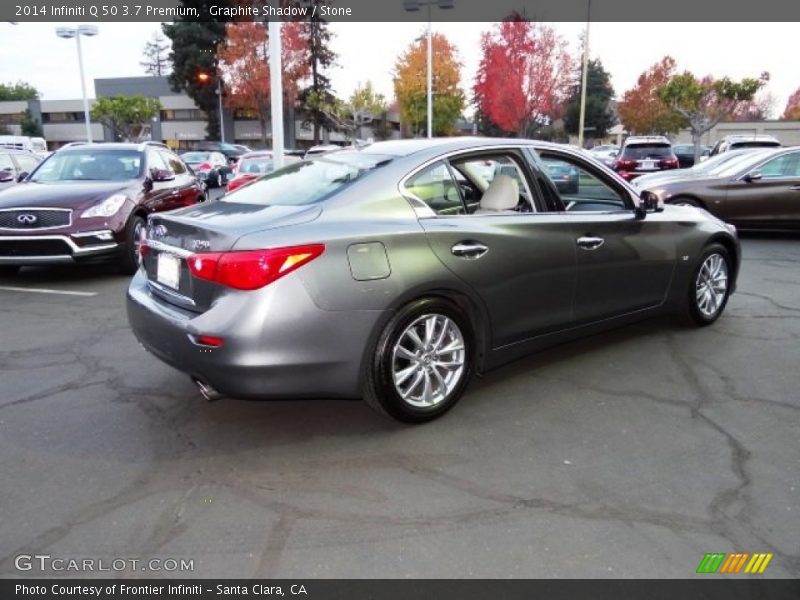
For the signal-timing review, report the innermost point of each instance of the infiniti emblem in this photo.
(159, 231)
(27, 219)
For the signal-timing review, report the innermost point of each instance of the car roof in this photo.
(646, 139)
(399, 148)
(739, 137)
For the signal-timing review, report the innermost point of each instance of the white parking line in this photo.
(9, 288)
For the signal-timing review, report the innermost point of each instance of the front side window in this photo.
(174, 163)
(579, 188)
(782, 166)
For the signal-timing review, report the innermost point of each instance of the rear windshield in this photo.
(684, 149)
(308, 181)
(755, 144)
(639, 151)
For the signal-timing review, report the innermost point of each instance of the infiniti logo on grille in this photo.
(27, 219)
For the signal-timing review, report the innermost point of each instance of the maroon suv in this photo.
(89, 202)
(644, 154)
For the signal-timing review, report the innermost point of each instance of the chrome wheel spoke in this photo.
(428, 360)
(711, 285)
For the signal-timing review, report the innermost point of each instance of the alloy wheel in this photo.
(711, 285)
(428, 360)
(137, 242)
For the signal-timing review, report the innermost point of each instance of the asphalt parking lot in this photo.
(630, 454)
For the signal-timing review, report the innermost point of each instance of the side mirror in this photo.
(752, 176)
(648, 202)
(21, 177)
(162, 175)
(6, 176)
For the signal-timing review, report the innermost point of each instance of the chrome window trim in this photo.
(171, 293)
(24, 208)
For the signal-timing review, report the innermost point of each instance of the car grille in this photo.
(34, 218)
(34, 248)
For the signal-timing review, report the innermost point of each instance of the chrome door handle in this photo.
(588, 242)
(469, 250)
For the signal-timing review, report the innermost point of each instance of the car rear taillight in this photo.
(624, 164)
(234, 184)
(669, 163)
(203, 167)
(251, 269)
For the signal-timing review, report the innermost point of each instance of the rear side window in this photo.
(641, 151)
(308, 181)
(435, 187)
(755, 144)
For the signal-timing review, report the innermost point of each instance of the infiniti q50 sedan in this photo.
(396, 271)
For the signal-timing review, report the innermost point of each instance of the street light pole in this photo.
(77, 32)
(582, 118)
(430, 74)
(276, 92)
(221, 117)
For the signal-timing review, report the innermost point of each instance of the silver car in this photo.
(396, 271)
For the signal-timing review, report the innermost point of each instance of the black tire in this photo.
(684, 201)
(379, 387)
(693, 314)
(130, 253)
(8, 270)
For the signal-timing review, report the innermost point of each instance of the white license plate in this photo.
(648, 164)
(168, 270)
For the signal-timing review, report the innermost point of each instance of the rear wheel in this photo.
(422, 362)
(131, 257)
(8, 270)
(709, 287)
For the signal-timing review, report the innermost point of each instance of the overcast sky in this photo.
(32, 52)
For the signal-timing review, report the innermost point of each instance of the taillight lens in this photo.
(204, 167)
(251, 269)
(625, 164)
(143, 247)
(669, 163)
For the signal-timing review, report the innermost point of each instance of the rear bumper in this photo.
(24, 250)
(277, 343)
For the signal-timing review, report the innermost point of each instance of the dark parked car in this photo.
(211, 167)
(396, 271)
(685, 154)
(15, 166)
(644, 154)
(737, 142)
(89, 203)
(230, 151)
(563, 175)
(761, 190)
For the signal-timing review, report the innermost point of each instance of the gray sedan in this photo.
(396, 271)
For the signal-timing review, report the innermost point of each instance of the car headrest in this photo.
(502, 194)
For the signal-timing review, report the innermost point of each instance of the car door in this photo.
(185, 182)
(161, 195)
(521, 264)
(624, 263)
(767, 195)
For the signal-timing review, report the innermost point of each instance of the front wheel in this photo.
(131, 257)
(709, 287)
(422, 362)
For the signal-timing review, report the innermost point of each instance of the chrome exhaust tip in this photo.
(207, 391)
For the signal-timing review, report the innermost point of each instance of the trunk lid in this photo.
(174, 237)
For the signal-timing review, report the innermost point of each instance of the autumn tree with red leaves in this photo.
(641, 111)
(244, 61)
(792, 112)
(524, 75)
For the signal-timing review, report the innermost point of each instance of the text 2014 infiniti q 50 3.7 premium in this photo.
(396, 271)
(89, 202)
